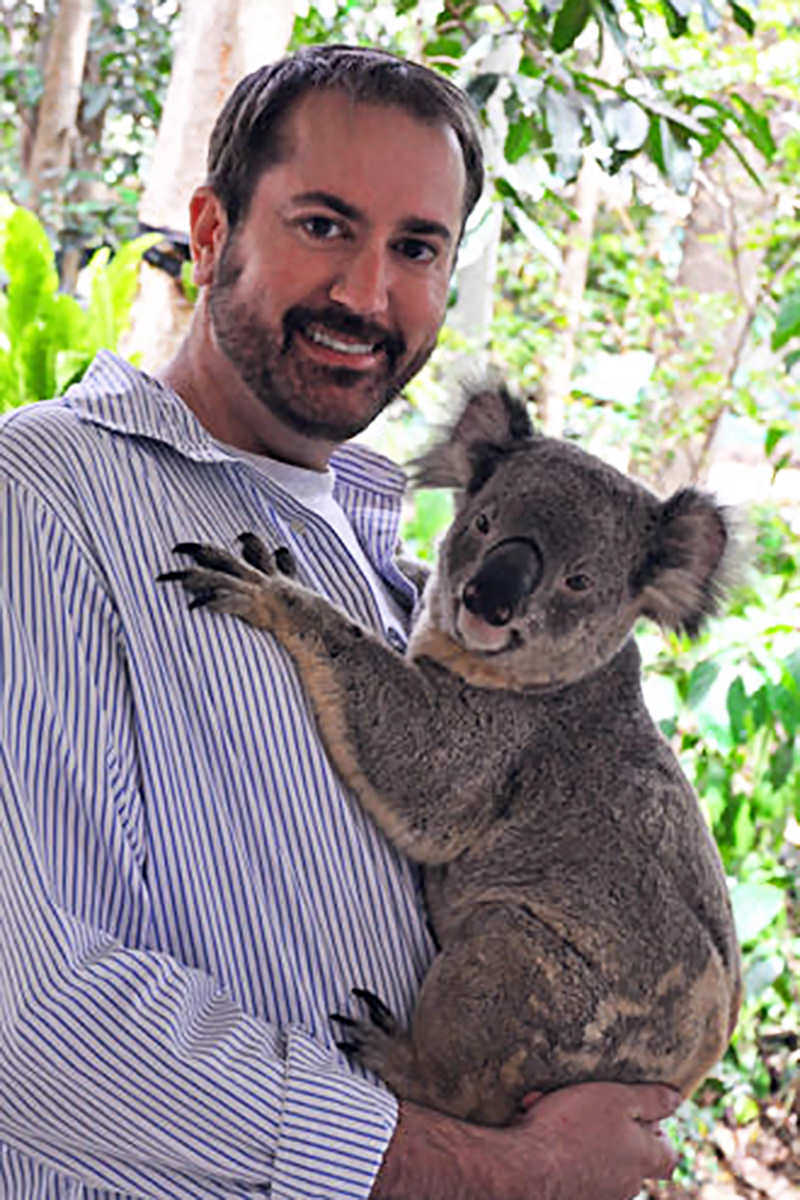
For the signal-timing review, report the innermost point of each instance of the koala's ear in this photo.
(681, 575)
(490, 424)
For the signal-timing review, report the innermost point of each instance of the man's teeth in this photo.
(333, 343)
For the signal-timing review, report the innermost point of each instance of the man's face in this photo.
(329, 296)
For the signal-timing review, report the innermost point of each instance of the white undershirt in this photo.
(314, 490)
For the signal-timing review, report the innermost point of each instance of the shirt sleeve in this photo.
(120, 1067)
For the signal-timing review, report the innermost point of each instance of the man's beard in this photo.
(298, 391)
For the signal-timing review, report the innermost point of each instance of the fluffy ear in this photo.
(680, 577)
(490, 424)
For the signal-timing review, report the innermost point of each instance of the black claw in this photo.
(340, 1019)
(284, 561)
(348, 1048)
(379, 1014)
(208, 556)
(201, 598)
(171, 576)
(255, 553)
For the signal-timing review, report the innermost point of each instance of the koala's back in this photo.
(607, 895)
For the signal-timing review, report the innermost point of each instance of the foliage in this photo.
(47, 338)
(127, 70)
(731, 706)
(545, 65)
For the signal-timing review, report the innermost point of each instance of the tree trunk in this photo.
(217, 44)
(56, 121)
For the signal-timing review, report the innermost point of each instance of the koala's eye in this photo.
(578, 582)
(482, 523)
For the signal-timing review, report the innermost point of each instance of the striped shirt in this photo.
(186, 890)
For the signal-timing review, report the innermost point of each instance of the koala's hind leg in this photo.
(480, 1039)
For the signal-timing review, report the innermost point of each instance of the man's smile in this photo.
(337, 349)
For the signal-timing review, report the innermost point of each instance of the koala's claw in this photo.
(210, 557)
(379, 1014)
(256, 554)
(358, 1032)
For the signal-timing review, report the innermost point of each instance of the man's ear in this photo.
(208, 230)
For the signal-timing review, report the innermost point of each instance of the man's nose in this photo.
(362, 281)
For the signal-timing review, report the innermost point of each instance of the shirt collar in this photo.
(119, 397)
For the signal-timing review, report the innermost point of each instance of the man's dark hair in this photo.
(247, 137)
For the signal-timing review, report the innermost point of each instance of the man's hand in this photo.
(593, 1141)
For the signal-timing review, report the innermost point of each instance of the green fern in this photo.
(47, 338)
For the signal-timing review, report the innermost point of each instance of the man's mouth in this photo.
(333, 341)
(342, 339)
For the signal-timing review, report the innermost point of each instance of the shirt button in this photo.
(297, 527)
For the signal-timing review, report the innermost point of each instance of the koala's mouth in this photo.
(481, 636)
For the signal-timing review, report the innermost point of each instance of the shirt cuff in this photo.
(335, 1130)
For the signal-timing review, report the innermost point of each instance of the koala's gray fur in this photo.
(577, 897)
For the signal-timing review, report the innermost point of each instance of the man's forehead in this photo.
(339, 145)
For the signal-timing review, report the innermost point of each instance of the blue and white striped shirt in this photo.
(186, 889)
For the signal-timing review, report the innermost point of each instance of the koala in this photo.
(578, 901)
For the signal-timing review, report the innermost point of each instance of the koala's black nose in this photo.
(508, 574)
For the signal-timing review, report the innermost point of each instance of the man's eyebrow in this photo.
(330, 201)
(412, 225)
(427, 228)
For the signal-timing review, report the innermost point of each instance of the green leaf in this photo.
(518, 139)
(482, 86)
(444, 47)
(781, 763)
(677, 24)
(787, 324)
(775, 433)
(755, 126)
(571, 20)
(701, 679)
(742, 18)
(654, 146)
(635, 7)
(736, 703)
(70, 366)
(755, 906)
(31, 270)
(507, 191)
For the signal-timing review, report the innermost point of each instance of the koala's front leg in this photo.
(378, 715)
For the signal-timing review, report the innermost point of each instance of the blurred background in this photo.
(633, 271)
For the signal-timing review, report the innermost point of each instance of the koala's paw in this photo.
(376, 1042)
(252, 588)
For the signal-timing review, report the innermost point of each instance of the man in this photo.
(188, 891)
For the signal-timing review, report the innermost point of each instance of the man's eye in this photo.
(416, 250)
(322, 228)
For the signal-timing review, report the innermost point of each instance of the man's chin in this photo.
(336, 411)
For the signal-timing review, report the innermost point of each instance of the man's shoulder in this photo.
(43, 424)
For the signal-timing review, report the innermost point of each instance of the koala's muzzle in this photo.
(509, 573)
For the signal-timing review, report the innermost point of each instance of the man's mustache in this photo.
(339, 320)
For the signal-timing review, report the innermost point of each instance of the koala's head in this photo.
(553, 554)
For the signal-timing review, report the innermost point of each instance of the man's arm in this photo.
(598, 1140)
